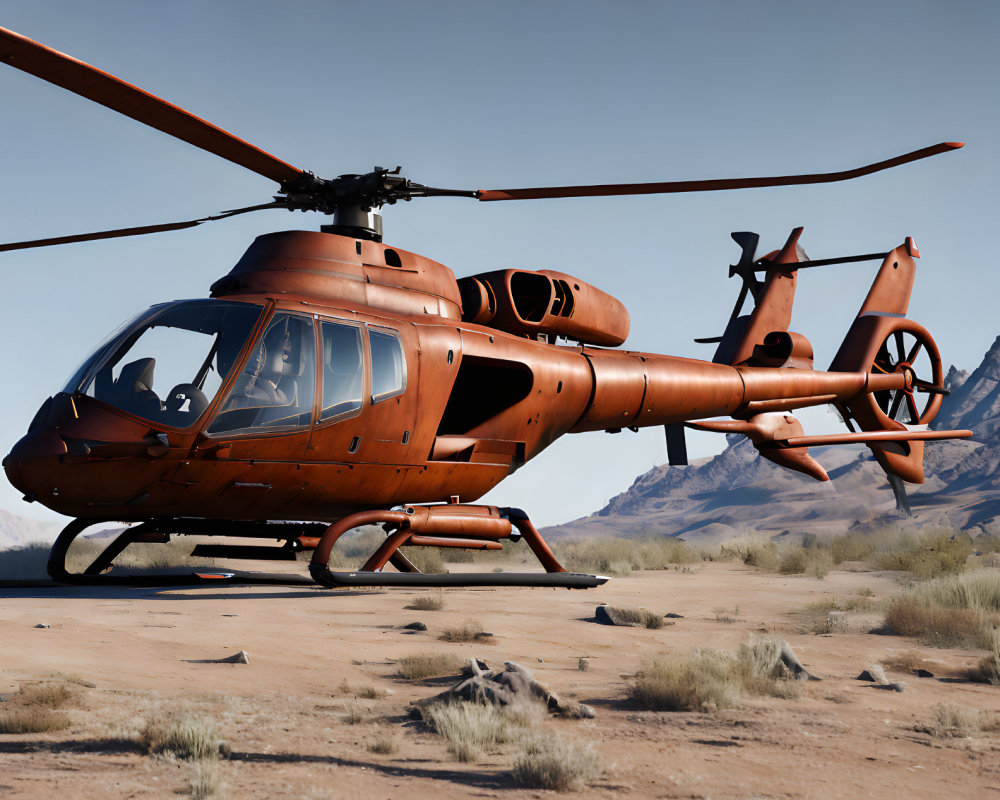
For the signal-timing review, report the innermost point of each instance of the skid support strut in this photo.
(453, 525)
(296, 536)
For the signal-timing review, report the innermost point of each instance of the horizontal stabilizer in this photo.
(865, 437)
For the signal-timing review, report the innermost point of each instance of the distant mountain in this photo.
(738, 491)
(15, 530)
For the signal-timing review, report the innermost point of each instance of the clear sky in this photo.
(476, 95)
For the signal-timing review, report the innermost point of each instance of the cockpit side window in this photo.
(167, 366)
(343, 369)
(388, 365)
(274, 390)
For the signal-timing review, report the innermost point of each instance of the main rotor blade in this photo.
(120, 232)
(87, 81)
(671, 187)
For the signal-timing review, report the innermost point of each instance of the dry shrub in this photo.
(366, 692)
(385, 743)
(700, 681)
(955, 610)
(761, 670)
(72, 678)
(43, 695)
(25, 562)
(355, 714)
(907, 661)
(619, 557)
(550, 762)
(427, 559)
(793, 562)
(32, 720)
(426, 602)
(928, 554)
(640, 617)
(428, 665)
(754, 551)
(811, 558)
(33, 709)
(706, 680)
(933, 624)
(184, 736)
(954, 721)
(471, 728)
(466, 632)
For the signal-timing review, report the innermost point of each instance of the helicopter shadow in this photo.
(400, 768)
(174, 592)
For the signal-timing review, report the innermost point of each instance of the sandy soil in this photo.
(284, 714)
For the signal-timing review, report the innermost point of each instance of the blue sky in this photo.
(475, 95)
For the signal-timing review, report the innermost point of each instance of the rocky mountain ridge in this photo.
(738, 491)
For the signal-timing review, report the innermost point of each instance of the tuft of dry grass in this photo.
(206, 781)
(707, 680)
(814, 560)
(365, 692)
(32, 720)
(700, 681)
(33, 709)
(428, 665)
(385, 743)
(426, 602)
(355, 714)
(954, 722)
(550, 762)
(183, 736)
(471, 728)
(43, 695)
(952, 611)
(640, 617)
(988, 668)
(466, 632)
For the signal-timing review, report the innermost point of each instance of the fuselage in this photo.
(336, 375)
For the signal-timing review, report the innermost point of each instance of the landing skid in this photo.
(445, 526)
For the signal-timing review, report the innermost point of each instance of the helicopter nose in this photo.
(32, 448)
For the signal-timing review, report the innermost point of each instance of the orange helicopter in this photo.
(331, 381)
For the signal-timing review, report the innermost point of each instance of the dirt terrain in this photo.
(286, 714)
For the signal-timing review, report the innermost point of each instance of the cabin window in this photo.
(343, 369)
(274, 390)
(388, 366)
(168, 365)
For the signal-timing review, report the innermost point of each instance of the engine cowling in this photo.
(527, 303)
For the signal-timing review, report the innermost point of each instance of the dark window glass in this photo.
(275, 388)
(342, 369)
(388, 367)
(168, 365)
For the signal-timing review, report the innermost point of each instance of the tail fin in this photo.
(882, 341)
(762, 338)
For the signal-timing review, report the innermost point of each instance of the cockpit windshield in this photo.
(168, 364)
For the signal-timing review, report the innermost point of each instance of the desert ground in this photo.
(291, 716)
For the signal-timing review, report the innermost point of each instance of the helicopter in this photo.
(331, 381)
